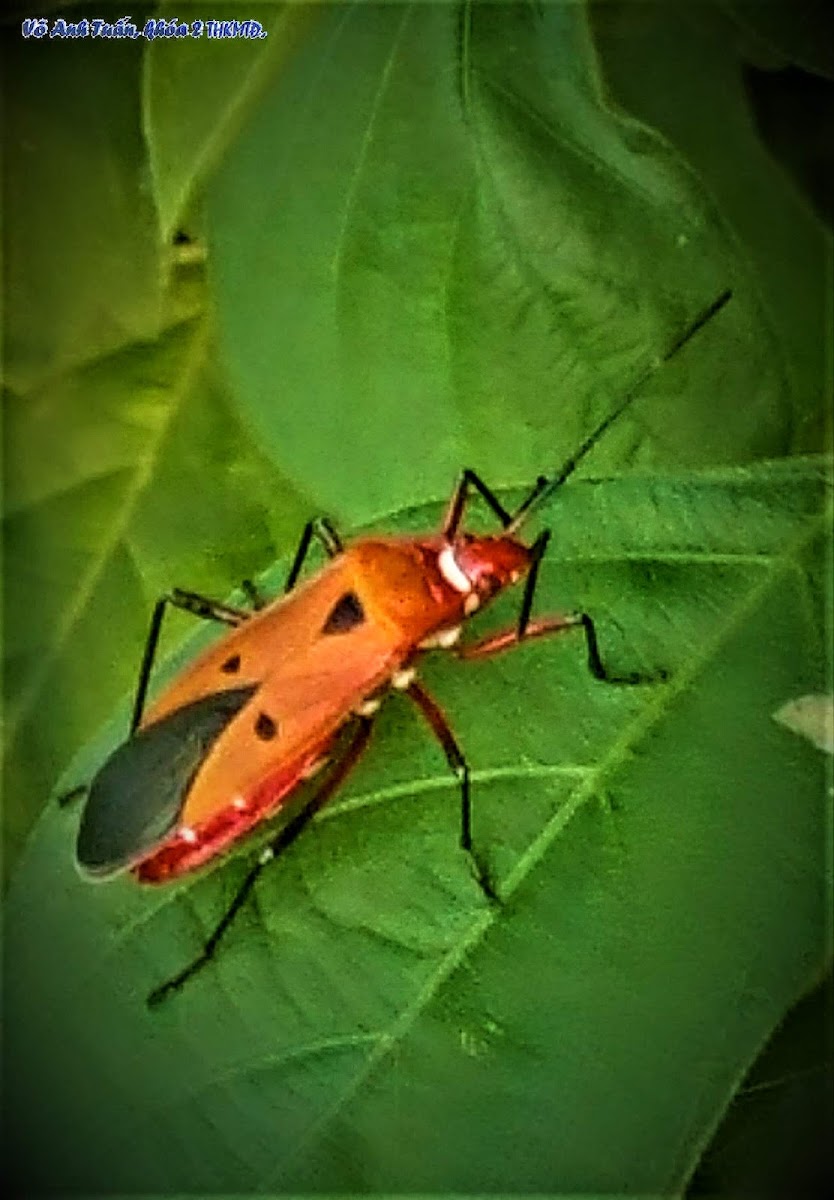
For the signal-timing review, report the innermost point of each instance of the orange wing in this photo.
(314, 655)
(231, 738)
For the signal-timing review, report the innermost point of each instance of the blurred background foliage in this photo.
(248, 281)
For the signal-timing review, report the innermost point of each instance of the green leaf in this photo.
(511, 210)
(198, 90)
(800, 33)
(439, 232)
(82, 271)
(685, 70)
(776, 1137)
(123, 478)
(438, 241)
(372, 1023)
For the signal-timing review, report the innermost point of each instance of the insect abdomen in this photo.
(192, 847)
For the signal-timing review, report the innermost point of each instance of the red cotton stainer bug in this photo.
(229, 742)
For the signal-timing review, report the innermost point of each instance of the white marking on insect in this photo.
(448, 637)
(515, 576)
(239, 803)
(187, 834)
(368, 708)
(312, 768)
(471, 604)
(403, 679)
(451, 572)
(441, 640)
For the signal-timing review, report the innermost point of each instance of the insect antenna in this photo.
(545, 487)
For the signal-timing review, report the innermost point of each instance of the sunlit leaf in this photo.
(82, 269)
(439, 232)
(124, 479)
(663, 902)
(686, 70)
(199, 90)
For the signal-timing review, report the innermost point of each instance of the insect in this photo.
(292, 689)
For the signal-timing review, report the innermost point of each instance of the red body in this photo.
(312, 678)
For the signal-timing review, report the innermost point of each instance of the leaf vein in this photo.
(619, 752)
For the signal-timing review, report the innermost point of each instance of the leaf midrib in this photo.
(619, 752)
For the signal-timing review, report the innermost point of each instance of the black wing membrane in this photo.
(138, 795)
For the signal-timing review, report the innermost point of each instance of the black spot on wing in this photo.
(231, 665)
(137, 796)
(265, 727)
(346, 614)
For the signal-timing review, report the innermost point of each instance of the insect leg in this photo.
(319, 528)
(525, 629)
(460, 497)
(455, 758)
(199, 606)
(505, 639)
(286, 836)
(536, 554)
(253, 594)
